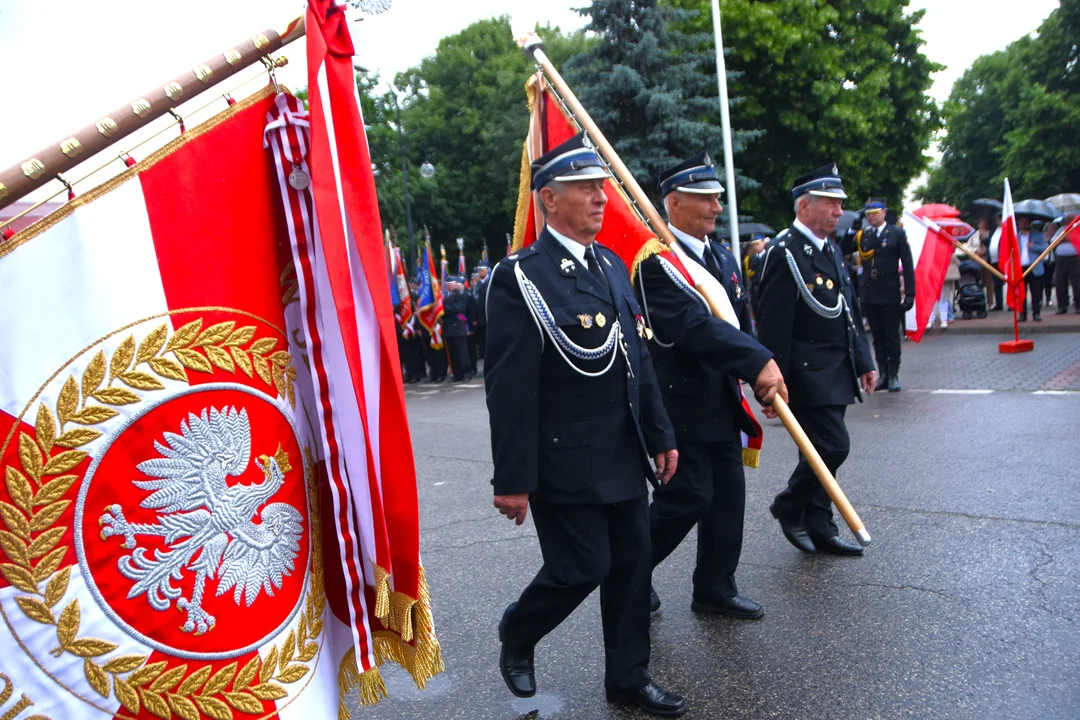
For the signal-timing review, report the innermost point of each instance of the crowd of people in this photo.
(451, 349)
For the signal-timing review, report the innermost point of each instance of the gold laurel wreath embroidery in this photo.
(31, 541)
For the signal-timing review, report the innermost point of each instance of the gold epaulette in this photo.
(653, 247)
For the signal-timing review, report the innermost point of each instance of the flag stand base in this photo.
(1016, 346)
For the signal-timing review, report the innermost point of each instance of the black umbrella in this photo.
(1036, 208)
(744, 230)
(844, 224)
(985, 206)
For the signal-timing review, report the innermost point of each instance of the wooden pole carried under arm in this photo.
(43, 166)
(533, 47)
(963, 248)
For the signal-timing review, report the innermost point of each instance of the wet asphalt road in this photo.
(967, 605)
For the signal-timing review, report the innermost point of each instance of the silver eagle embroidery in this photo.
(208, 525)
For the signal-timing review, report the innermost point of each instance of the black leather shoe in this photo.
(894, 384)
(1023, 317)
(739, 607)
(882, 383)
(1037, 317)
(651, 698)
(654, 600)
(836, 545)
(516, 668)
(1061, 311)
(798, 536)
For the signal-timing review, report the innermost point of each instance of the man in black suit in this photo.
(808, 318)
(883, 249)
(575, 418)
(700, 360)
(456, 322)
(480, 289)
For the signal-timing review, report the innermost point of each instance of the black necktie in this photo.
(712, 265)
(594, 268)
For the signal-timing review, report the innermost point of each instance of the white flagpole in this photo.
(725, 119)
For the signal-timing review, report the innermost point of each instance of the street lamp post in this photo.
(405, 180)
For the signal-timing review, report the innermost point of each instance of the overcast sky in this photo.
(64, 63)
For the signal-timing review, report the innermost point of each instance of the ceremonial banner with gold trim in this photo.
(169, 473)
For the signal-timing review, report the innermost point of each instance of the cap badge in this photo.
(601, 321)
(835, 170)
(708, 160)
(586, 321)
(586, 142)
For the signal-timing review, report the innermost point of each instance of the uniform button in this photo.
(804, 364)
(555, 440)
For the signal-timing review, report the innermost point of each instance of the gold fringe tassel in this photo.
(653, 247)
(372, 687)
(524, 201)
(408, 621)
(751, 457)
(382, 593)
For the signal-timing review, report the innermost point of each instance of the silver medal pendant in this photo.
(298, 179)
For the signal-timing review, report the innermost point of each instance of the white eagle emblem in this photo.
(207, 524)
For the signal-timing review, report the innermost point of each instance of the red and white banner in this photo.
(931, 251)
(1009, 260)
(200, 517)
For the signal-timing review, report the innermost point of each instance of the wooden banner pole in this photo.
(43, 166)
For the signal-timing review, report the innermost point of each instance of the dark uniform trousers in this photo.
(885, 319)
(457, 316)
(577, 445)
(821, 359)
(699, 360)
(805, 499)
(580, 545)
(709, 476)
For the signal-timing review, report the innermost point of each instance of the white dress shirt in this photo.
(818, 242)
(572, 246)
(696, 245)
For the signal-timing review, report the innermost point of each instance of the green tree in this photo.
(841, 80)
(463, 109)
(651, 87)
(1015, 113)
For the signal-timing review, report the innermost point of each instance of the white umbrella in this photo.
(1065, 202)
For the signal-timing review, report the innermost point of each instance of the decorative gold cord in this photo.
(652, 247)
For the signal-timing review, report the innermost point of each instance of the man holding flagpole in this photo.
(576, 417)
(808, 318)
(700, 360)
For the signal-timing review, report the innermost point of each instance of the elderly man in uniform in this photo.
(808, 318)
(700, 360)
(575, 418)
(883, 249)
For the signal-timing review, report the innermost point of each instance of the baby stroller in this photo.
(970, 294)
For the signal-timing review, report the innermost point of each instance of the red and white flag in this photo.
(931, 251)
(1009, 253)
(187, 366)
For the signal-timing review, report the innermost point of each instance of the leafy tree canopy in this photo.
(463, 109)
(651, 86)
(824, 80)
(1015, 113)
